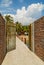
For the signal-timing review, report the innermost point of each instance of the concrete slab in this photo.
(21, 56)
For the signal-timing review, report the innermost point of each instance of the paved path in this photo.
(21, 56)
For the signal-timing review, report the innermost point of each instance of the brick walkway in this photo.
(21, 56)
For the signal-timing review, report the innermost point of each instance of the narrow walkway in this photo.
(21, 56)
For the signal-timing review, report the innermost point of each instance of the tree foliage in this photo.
(9, 20)
(20, 28)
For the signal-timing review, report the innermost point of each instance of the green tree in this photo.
(25, 28)
(21, 28)
(18, 27)
(9, 20)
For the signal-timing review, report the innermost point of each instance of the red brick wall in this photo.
(39, 37)
(2, 39)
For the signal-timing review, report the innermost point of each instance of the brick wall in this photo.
(36, 37)
(39, 37)
(2, 39)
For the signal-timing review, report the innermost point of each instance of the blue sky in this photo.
(16, 4)
(23, 10)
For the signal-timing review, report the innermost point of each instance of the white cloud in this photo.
(7, 11)
(6, 3)
(21, 12)
(29, 15)
(5, 6)
(26, 16)
(35, 9)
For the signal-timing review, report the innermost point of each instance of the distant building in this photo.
(3, 46)
(36, 37)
